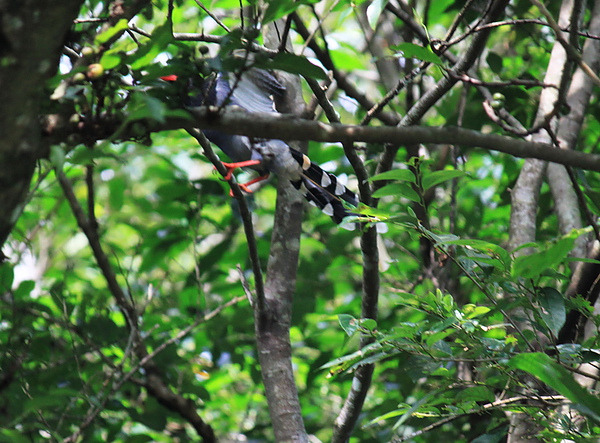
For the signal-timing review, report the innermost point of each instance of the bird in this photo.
(257, 90)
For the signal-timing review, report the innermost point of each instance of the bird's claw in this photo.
(233, 166)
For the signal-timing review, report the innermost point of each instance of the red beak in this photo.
(169, 78)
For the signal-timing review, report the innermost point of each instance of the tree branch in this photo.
(569, 49)
(155, 385)
(286, 127)
(567, 195)
(524, 197)
(244, 214)
(424, 104)
(348, 416)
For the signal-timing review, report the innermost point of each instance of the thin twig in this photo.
(550, 399)
(211, 15)
(376, 110)
(93, 413)
(245, 285)
(285, 34)
(570, 50)
(589, 217)
(244, 213)
(350, 412)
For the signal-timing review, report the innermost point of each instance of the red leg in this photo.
(244, 186)
(232, 166)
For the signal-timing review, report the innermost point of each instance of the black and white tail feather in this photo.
(323, 189)
(320, 188)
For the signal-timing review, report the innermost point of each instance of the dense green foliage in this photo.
(466, 330)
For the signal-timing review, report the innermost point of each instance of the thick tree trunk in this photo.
(273, 315)
(32, 34)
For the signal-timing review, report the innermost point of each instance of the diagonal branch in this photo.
(428, 100)
(348, 416)
(155, 384)
(244, 213)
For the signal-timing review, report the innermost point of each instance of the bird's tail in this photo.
(323, 189)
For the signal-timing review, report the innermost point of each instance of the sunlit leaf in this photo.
(111, 59)
(411, 50)
(532, 265)
(436, 177)
(117, 28)
(553, 310)
(348, 324)
(374, 10)
(398, 190)
(395, 174)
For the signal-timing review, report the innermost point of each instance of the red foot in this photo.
(233, 166)
(244, 186)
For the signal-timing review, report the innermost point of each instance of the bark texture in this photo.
(32, 34)
(273, 315)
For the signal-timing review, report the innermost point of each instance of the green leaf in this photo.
(53, 398)
(57, 157)
(10, 436)
(395, 174)
(161, 38)
(499, 257)
(82, 155)
(144, 106)
(374, 11)
(386, 416)
(368, 211)
(531, 266)
(553, 309)
(102, 329)
(139, 438)
(120, 26)
(437, 177)
(7, 275)
(410, 50)
(24, 289)
(295, 64)
(116, 196)
(495, 62)
(407, 414)
(441, 239)
(476, 393)
(342, 362)
(400, 190)
(280, 8)
(358, 358)
(348, 324)
(472, 311)
(368, 323)
(558, 378)
(492, 437)
(111, 59)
